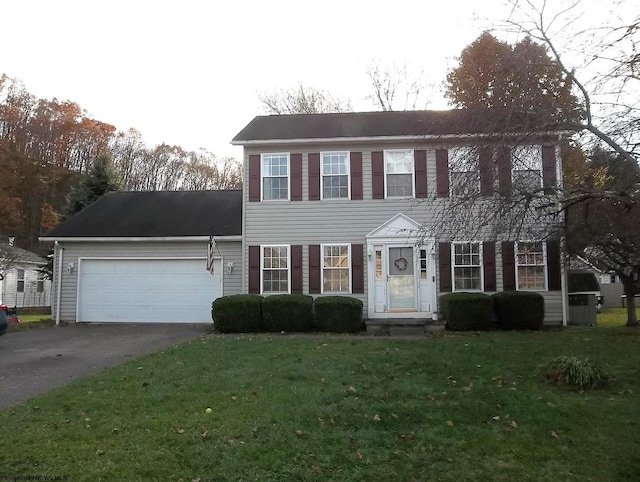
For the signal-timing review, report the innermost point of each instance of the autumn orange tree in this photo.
(495, 74)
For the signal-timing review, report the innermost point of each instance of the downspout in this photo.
(563, 291)
(58, 250)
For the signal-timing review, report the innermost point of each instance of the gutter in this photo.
(60, 250)
(369, 139)
(138, 239)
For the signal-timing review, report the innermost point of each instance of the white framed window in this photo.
(335, 171)
(275, 176)
(336, 268)
(40, 283)
(467, 266)
(531, 273)
(399, 175)
(274, 269)
(526, 168)
(464, 171)
(20, 280)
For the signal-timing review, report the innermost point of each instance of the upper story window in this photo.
(467, 267)
(335, 268)
(526, 171)
(335, 175)
(275, 176)
(464, 175)
(530, 266)
(275, 269)
(399, 173)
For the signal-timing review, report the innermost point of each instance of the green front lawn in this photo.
(453, 407)
(614, 316)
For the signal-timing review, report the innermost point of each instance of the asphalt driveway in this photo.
(35, 361)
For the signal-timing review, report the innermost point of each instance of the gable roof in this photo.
(18, 256)
(390, 124)
(155, 214)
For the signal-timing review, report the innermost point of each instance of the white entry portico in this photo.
(402, 270)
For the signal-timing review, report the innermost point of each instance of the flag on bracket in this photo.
(210, 255)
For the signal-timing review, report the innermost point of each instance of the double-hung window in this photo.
(530, 266)
(335, 175)
(275, 177)
(20, 280)
(526, 170)
(464, 175)
(336, 268)
(275, 269)
(467, 267)
(398, 165)
(40, 283)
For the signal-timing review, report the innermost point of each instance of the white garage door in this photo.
(147, 290)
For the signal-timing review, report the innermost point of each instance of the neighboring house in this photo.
(338, 204)
(22, 282)
(344, 204)
(141, 257)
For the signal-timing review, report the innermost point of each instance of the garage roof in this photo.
(156, 214)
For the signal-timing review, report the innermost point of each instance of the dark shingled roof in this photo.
(157, 214)
(18, 255)
(390, 124)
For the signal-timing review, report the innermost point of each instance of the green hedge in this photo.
(467, 311)
(291, 313)
(237, 313)
(339, 314)
(519, 310)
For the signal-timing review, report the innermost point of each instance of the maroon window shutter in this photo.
(420, 160)
(549, 168)
(377, 174)
(444, 259)
(508, 266)
(296, 269)
(296, 177)
(485, 162)
(355, 164)
(553, 265)
(357, 268)
(314, 176)
(504, 170)
(314, 268)
(442, 173)
(254, 269)
(254, 177)
(489, 264)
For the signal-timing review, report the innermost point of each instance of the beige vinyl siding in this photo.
(73, 251)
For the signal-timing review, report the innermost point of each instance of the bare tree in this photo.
(302, 100)
(396, 86)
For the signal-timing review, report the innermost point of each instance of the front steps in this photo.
(403, 326)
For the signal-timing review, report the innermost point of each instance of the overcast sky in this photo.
(188, 72)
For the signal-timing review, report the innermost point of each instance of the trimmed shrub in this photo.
(339, 314)
(572, 371)
(237, 313)
(287, 313)
(519, 310)
(467, 311)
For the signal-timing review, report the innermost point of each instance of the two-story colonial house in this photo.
(394, 208)
(353, 203)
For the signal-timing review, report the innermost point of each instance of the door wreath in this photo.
(401, 263)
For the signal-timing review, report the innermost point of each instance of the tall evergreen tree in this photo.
(101, 179)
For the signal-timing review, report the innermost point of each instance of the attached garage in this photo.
(147, 290)
(141, 257)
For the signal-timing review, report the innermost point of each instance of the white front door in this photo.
(401, 279)
(401, 270)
